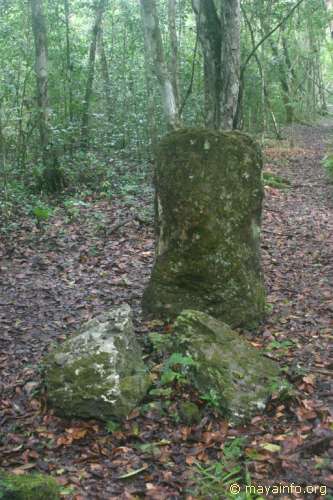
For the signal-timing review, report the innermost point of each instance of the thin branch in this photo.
(267, 103)
(236, 120)
(314, 81)
(254, 50)
(122, 223)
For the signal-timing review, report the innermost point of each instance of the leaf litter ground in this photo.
(53, 279)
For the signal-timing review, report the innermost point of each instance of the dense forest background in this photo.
(79, 93)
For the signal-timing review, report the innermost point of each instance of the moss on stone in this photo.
(98, 373)
(226, 365)
(88, 387)
(28, 487)
(208, 209)
(189, 412)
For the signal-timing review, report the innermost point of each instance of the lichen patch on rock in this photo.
(98, 373)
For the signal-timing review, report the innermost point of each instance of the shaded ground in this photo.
(53, 279)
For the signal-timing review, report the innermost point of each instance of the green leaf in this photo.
(42, 213)
(112, 426)
(169, 376)
(178, 359)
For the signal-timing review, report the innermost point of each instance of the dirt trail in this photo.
(298, 236)
(298, 264)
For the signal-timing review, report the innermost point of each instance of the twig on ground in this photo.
(122, 223)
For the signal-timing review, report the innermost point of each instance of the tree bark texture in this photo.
(173, 65)
(230, 61)
(153, 42)
(209, 31)
(218, 25)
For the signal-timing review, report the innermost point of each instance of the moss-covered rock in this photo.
(231, 373)
(98, 373)
(208, 210)
(189, 412)
(28, 487)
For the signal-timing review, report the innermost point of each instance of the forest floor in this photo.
(56, 277)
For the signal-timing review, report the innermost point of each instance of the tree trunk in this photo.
(209, 31)
(173, 66)
(151, 118)
(283, 77)
(21, 130)
(106, 77)
(101, 6)
(329, 6)
(220, 42)
(230, 61)
(153, 42)
(68, 63)
(321, 89)
(52, 179)
(289, 65)
(40, 37)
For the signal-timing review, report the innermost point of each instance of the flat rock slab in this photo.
(208, 213)
(228, 370)
(99, 372)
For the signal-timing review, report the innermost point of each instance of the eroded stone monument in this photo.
(208, 210)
